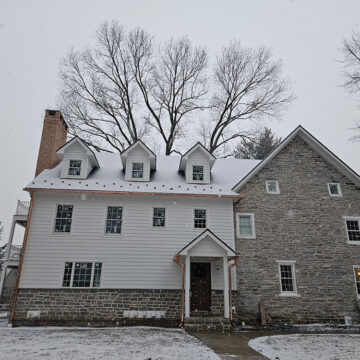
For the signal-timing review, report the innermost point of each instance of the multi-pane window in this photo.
(67, 274)
(200, 218)
(113, 220)
(159, 217)
(82, 274)
(63, 218)
(334, 189)
(357, 280)
(353, 228)
(75, 167)
(272, 187)
(245, 225)
(287, 277)
(198, 172)
(137, 170)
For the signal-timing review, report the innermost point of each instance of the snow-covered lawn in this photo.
(308, 346)
(140, 343)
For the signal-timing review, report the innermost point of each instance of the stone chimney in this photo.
(53, 136)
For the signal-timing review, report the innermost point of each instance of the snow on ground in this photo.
(130, 343)
(308, 346)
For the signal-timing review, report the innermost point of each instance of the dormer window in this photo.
(198, 172)
(75, 167)
(137, 170)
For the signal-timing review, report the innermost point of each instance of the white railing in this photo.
(22, 208)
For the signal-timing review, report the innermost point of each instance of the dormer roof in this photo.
(187, 155)
(76, 140)
(141, 145)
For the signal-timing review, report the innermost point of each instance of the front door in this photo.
(200, 287)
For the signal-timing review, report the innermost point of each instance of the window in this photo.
(353, 229)
(82, 274)
(287, 278)
(357, 280)
(200, 218)
(63, 218)
(75, 167)
(159, 217)
(137, 170)
(272, 187)
(113, 220)
(245, 226)
(334, 189)
(198, 172)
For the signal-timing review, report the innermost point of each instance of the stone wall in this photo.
(96, 306)
(303, 223)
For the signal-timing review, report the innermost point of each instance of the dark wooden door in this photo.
(200, 286)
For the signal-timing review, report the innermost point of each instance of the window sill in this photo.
(353, 242)
(289, 295)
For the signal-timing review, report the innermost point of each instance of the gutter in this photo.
(11, 319)
(176, 259)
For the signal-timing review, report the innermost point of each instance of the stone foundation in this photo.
(97, 307)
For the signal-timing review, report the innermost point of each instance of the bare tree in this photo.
(351, 61)
(1, 230)
(99, 94)
(248, 85)
(173, 84)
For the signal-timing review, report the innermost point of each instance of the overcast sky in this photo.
(306, 35)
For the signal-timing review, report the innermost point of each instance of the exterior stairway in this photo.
(207, 323)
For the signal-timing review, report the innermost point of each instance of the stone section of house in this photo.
(96, 306)
(304, 224)
(53, 136)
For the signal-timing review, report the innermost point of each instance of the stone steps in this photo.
(200, 323)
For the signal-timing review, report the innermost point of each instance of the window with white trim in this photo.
(137, 170)
(75, 167)
(114, 220)
(198, 172)
(200, 218)
(334, 189)
(287, 277)
(357, 280)
(353, 229)
(82, 274)
(63, 218)
(159, 217)
(245, 225)
(272, 187)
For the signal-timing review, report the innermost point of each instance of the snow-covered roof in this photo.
(166, 179)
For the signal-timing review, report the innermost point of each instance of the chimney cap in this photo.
(57, 114)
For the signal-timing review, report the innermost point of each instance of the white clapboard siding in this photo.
(137, 155)
(198, 158)
(75, 152)
(140, 257)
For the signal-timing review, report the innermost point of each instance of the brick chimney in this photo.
(53, 136)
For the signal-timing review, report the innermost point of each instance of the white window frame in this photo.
(338, 188)
(353, 218)
(68, 170)
(132, 169)
(206, 218)
(73, 272)
(292, 263)
(203, 173)
(252, 220)
(62, 233)
(277, 187)
(122, 220)
(356, 267)
(152, 217)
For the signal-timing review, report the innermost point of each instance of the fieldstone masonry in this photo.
(304, 224)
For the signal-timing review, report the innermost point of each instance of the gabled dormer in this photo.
(196, 164)
(138, 161)
(78, 160)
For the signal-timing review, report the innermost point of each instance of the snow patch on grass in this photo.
(308, 346)
(130, 343)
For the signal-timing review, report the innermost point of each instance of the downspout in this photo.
(176, 259)
(235, 258)
(11, 319)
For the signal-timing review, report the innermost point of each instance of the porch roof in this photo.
(207, 233)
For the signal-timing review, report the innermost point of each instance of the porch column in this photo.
(226, 288)
(187, 286)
